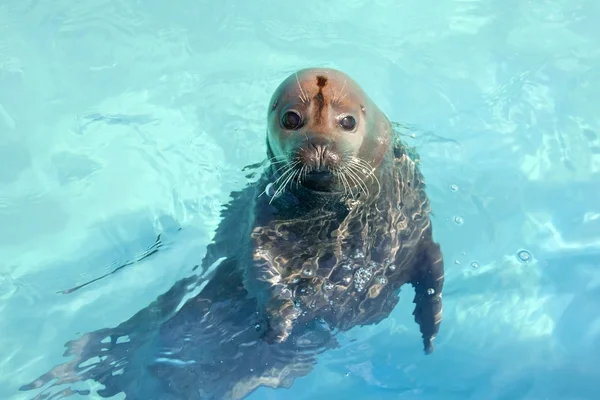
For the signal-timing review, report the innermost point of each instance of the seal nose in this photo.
(320, 155)
(316, 156)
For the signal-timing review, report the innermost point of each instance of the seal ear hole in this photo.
(348, 122)
(291, 120)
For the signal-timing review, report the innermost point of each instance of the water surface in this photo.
(122, 120)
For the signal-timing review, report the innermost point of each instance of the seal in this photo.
(336, 223)
(353, 225)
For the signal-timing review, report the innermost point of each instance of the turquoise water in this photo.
(122, 120)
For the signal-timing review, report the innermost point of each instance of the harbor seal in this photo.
(348, 222)
(322, 241)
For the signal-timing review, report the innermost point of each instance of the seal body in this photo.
(337, 222)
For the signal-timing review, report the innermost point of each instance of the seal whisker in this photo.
(343, 96)
(351, 186)
(277, 160)
(286, 176)
(282, 187)
(350, 178)
(303, 97)
(355, 173)
(373, 176)
(341, 173)
(299, 176)
(287, 169)
(337, 96)
(367, 170)
(306, 171)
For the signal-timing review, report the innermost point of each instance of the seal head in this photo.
(324, 132)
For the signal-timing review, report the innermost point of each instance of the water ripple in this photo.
(117, 115)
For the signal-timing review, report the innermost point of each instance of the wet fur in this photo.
(311, 250)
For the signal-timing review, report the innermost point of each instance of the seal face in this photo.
(323, 126)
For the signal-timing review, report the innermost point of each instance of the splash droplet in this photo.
(524, 256)
(270, 190)
(459, 220)
(474, 265)
(431, 291)
(454, 187)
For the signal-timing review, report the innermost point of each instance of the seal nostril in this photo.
(320, 155)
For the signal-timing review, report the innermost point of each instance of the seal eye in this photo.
(348, 122)
(291, 120)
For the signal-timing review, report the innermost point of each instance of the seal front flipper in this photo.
(264, 282)
(428, 282)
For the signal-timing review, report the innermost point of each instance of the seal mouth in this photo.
(323, 169)
(320, 174)
(322, 180)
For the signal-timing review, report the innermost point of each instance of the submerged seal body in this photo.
(321, 242)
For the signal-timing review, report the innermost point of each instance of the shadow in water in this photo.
(202, 339)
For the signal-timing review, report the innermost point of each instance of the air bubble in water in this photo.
(454, 187)
(430, 291)
(358, 254)
(307, 272)
(459, 220)
(382, 280)
(361, 278)
(524, 256)
(456, 262)
(474, 265)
